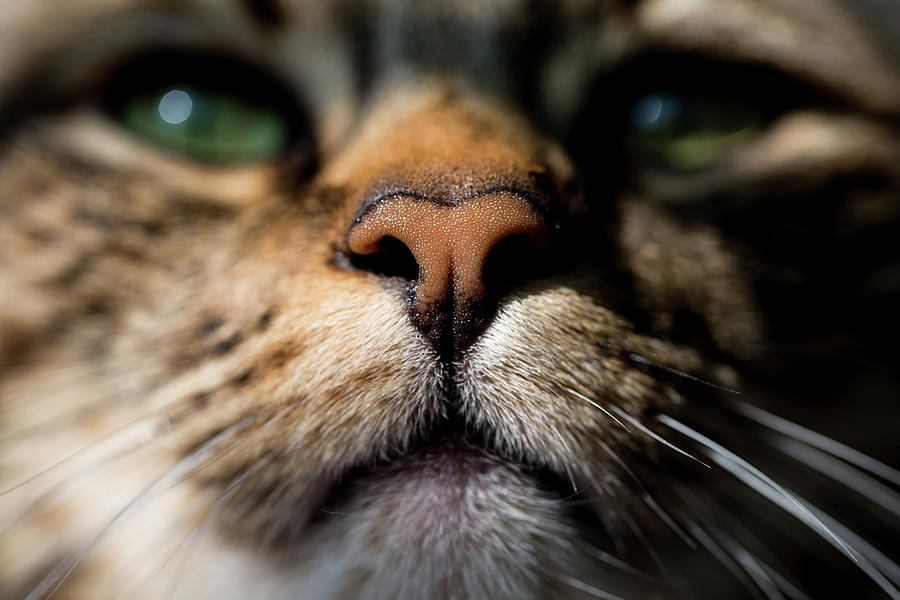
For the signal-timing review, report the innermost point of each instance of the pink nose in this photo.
(450, 244)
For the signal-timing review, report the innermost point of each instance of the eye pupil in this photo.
(653, 111)
(175, 107)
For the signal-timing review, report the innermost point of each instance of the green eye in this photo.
(208, 110)
(684, 132)
(207, 125)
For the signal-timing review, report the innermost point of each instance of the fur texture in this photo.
(204, 394)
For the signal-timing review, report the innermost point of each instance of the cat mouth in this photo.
(442, 474)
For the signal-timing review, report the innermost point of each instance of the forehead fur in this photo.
(329, 49)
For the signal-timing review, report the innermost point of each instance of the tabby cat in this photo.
(460, 299)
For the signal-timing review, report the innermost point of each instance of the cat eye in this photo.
(206, 125)
(678, 114)
(687, 132)
(208, 110)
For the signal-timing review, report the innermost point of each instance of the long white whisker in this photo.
(737, 551)
(609, 518)
(747, 559)
(594, 404)
(783, 584)
(58, 575)
(95, 465)
(655, 436)
(843, 473)
(87, 410)
(618, 563)
(128, 437)
(724, 559)
(57, 490)
(266, 425)
(196, 532)
(646, 497)
(751, 476)
(745, 471)
(586, 587)
(642, 538)
(753, 568)
(122, 370)
(885, 565)
(172, 340)
(823, 443)
(575, 494)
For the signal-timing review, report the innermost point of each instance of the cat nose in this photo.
(450, 244)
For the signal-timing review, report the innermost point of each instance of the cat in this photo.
(387, 299)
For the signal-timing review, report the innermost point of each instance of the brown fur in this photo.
(172, 310)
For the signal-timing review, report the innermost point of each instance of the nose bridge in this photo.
(449, 181)
(437, 129)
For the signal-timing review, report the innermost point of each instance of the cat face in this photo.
(396, 301)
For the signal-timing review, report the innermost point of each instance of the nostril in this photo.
(392, 258)
(458, 258)
(514, 260)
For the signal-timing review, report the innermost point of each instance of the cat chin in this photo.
(450, 520)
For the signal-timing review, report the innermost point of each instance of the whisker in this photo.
(62, 359)
(783, 584)
(171, 341)
(610, 522)
(885, 565)
(842, 473)
(700, 506)
(642, 538)
(745, 560)
(107, 373)
(817, 440)
(596, 405)
(635, 357)
(618, 563)
(67, 417)
(586, 587)
(574, 494)
(751, 476)
(58, 575)
(198, 530)
(54, 491)
(745, 471)
(134, 434)
(655, 436)
(753, 568)
(725, 560)
(646, 497)
(70, 358)
(658, 365)
(102, 404)
(566, 466)
(268, 423)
